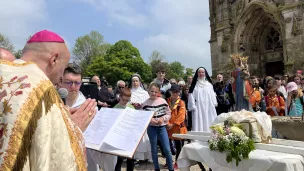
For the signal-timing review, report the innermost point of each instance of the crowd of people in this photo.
(280, 95)
(35, 122)
(178, 107)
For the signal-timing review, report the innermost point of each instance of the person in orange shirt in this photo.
(275, 105)
(255, 95)
(176, 123)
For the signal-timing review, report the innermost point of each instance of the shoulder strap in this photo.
(279, 100)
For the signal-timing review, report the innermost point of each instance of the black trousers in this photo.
(222, 109)
(178, 145)
(202, 167)
(189, 121)
(130, 164)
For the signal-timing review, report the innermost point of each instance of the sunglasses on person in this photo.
(121, 87)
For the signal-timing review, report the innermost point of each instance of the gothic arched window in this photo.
(273, 40)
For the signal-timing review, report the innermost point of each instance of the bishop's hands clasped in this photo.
(83, 115)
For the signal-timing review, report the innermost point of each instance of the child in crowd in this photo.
(294, 100)
(256, 95)
(281, 88)
(124, 99)
(176, 124)
(157, 127)
(275, 104)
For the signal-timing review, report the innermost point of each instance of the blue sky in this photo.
(179, 29)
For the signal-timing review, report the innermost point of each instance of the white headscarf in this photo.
(202, 81)
(139, 95)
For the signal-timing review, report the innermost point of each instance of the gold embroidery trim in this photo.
(5, 62)
(26, 123)
(19, 143)
(75, 139)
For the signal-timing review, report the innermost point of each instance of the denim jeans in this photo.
(160, 132)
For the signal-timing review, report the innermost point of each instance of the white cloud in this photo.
(122, 11)
(183, 32)
(19, 19)
(179, 29)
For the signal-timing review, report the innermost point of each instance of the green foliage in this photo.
(173, 70)
(119, 63)
(6, 43)
(88, 47)
(240, 150)
(236, 147)
(156, 61)
(156, 56)
(176, 70)
(189, 72)
(18, 54)
(235, 144)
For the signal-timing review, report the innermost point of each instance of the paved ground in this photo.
(148, 166)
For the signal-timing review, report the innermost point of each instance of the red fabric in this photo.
(45, 36)
(234, 74)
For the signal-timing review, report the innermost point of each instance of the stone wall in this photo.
(241, 26)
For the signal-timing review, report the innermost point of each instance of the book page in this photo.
(100, 126)
(129, 129)
(106, 148)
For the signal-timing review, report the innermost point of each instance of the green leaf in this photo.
(119, 63)
(89, 47)
(228, 158)
(6, 43)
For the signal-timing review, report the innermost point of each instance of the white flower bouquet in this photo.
(231, 139)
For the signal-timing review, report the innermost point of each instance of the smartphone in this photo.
(89, 90)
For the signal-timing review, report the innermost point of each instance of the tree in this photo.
(189, 72)
(156, 61)
(120, 62)
(88, 47)
(176, 70)
(18, 54)
(156, 56)
(6, 43)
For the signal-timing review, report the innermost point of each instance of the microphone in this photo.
(63, 93)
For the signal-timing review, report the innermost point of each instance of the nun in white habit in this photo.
(202, 101)
(138, 96)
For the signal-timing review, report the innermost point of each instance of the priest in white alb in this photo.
(202, 101)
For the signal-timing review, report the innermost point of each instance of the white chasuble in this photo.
(35, 130)
(202, 101)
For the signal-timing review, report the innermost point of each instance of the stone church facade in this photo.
(270, 32)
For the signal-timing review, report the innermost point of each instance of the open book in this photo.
(117, 131)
